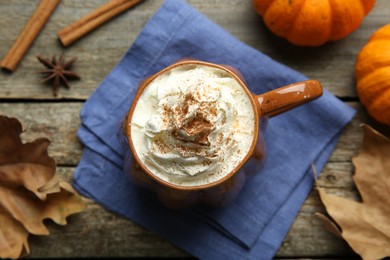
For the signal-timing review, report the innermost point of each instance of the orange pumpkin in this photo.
(313, 22)
(372, 70)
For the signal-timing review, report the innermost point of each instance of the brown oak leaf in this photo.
(365, 225)
(30, 190)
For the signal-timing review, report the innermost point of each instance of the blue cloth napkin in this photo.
(254, 226)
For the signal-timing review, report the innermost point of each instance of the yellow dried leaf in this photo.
(24, 164)
(13, 240)
(30, 190)
(61, 204)
(365, 225)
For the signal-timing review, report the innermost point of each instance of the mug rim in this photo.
(145, 83)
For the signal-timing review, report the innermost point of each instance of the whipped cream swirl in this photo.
(191, 129)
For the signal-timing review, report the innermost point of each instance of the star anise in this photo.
(57, 72)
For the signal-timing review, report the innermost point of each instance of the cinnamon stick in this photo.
(97, 17)
(34, 25)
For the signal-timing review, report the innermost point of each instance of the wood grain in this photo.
(101, 50)
(103, 234)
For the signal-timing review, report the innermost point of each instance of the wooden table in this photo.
(97, 232)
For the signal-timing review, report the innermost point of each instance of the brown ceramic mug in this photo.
(195, 131)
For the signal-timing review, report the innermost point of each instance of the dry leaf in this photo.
(30, 190)
(365, 225)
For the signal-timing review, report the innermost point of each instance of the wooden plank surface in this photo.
(97, 232)
(102, 49)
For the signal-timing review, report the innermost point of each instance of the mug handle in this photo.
(282, 99)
